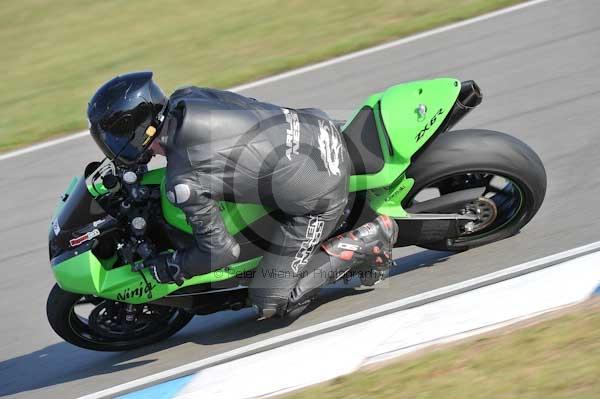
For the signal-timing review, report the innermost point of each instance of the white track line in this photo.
(388, 45)
(346, 320)
(312, 67)
(43, 145)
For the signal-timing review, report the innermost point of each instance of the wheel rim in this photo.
(498, 203)
(101, 321)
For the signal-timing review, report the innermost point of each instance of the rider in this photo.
(223, 146)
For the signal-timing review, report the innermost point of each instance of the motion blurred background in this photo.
(56, 53)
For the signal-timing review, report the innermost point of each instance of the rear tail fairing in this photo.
(411, 116)
(406, 117)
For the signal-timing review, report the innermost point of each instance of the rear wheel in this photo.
(504, 177)
(103, 325)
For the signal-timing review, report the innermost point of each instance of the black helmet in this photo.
(124, 114)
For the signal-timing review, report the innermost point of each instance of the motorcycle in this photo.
(447, 190)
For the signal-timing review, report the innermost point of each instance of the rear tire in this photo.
(65, 322)
(475, 151)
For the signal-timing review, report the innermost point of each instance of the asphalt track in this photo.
(539, 69)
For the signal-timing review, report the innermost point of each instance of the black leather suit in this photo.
(224, 146)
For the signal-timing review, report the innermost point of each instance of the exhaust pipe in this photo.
(468, 98)
(469, 95)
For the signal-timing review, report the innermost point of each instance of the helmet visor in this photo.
(123, 148)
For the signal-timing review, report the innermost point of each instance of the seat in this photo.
(363, 143)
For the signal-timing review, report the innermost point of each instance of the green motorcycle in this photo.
(446, 190)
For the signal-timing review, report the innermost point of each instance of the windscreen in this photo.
(80, 208)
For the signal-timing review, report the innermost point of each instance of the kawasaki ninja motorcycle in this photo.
(447, 190)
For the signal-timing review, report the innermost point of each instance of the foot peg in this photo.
(374, 275)
(267, 313)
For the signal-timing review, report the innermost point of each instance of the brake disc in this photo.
(486, 212)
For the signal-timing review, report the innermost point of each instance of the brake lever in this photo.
(146, 251)
(138, 266)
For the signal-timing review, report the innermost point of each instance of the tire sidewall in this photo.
(482, 151)
(59, 308)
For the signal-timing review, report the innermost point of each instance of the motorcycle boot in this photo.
(367, 249)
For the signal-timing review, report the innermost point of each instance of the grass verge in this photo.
(55, 54)
(557, 357)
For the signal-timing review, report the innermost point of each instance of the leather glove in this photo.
(165, 268)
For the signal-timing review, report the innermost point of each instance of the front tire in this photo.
(78, 330)
(472, 154)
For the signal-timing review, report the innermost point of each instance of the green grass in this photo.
(557, 358)
(56, 53)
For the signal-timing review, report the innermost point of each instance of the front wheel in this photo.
(103, 325)
(506, 178)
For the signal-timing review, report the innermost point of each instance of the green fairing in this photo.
(86, 274)
(235, 216)
(388, 201)
(396, 111)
